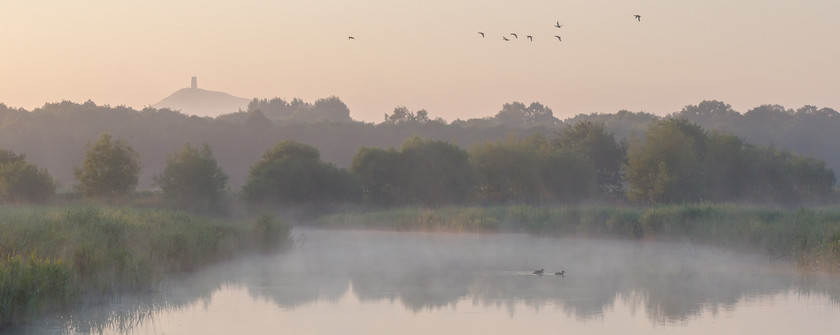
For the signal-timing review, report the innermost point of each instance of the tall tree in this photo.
(508, 171)
(434, 173)
(376, 170)
(293, 173)
(666, 165)
(605, 154)
(518, 115)
(110, 169)
(569, 175)
(192, 179)
(727, 168)
(782, 177)
(332, 109)
(422, 172)
(400, 115)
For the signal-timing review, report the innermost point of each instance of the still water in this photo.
(354, 282)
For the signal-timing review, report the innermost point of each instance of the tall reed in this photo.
(50, 256)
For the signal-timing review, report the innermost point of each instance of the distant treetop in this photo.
(325, 109)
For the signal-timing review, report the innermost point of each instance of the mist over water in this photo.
(353, 277)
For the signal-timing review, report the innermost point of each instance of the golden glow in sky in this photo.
(426, 54)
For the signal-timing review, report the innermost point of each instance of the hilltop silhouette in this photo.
(200, 102)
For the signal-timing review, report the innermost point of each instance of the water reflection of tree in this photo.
(292, 282)
(670, 283)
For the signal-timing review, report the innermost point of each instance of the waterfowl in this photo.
(505, 38)
(638, 17)
(539, 272)
(481, 33)
(558, 38)
(558, 25)
(530, 37)
(515, 35)
(351, 38)
(561, 273)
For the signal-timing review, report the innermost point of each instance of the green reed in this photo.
(52, 255)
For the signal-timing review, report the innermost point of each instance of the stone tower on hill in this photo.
(195, 101)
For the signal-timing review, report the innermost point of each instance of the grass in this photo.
(811, 237)
(30, 284)
(52, 256)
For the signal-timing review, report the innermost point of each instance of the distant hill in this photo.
(200, 102)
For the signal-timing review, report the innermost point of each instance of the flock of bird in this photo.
(529, 37)
(556, 25)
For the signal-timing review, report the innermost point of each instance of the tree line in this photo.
(676, 161)
(54, 136)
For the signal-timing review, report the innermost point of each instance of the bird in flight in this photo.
(558, 38)
(351, 38)
(558, 25)
(530, 37)
(505, 38)
(638, 17)
(481, 33)
(515, 35)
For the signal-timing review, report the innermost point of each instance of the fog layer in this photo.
(671, 282)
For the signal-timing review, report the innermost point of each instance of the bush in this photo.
(23, 182)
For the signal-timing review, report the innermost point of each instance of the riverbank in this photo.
(810, 237)
(51, 257)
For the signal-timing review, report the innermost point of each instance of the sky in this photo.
(426, 54)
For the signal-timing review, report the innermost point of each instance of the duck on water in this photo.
(540, 272)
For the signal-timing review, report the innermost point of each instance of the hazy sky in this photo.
(426, 54)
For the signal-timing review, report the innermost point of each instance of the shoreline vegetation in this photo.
(55, 257)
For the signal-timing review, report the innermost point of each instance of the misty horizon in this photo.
(58, 132)
(196, 100)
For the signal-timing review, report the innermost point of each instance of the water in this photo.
(410, 283)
